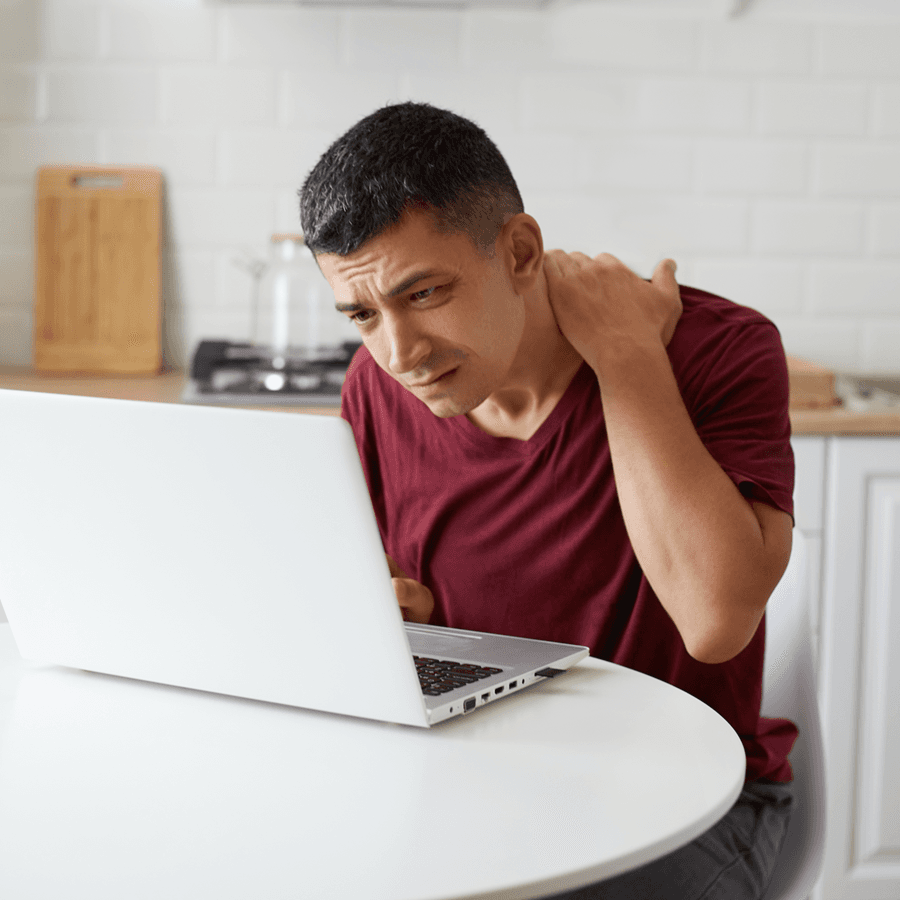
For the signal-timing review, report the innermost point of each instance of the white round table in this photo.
(111, 788)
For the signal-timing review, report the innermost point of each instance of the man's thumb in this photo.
(664, 273)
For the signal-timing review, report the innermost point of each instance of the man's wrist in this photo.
(626, 358)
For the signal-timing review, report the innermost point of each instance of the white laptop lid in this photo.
(120, 518)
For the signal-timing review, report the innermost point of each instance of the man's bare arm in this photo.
(712, 557)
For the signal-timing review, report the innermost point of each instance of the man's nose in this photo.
(409, 346)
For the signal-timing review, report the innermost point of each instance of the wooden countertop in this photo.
(167, 388)
(164, 388)
(839, 420)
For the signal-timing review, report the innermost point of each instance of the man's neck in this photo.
(544, 367)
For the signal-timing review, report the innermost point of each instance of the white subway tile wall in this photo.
(762, 152)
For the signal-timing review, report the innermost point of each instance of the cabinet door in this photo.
(860, 669)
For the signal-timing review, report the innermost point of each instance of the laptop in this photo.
(225, 550)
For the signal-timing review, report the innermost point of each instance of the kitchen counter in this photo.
(167, 388)
(842, 421)
(163, 388)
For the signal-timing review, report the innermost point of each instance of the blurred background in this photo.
(762, 150)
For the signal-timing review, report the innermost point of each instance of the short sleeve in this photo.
(737, 394)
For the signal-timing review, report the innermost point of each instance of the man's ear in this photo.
(524, 249)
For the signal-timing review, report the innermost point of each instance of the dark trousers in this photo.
(734, 860)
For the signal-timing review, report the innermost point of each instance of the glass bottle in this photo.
(296, 304)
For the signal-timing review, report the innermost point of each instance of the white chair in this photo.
(789, 691)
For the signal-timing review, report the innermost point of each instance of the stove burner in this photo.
(227, 372)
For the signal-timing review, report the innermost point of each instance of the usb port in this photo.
(498, 690)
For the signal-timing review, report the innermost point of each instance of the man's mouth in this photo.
(443, 376)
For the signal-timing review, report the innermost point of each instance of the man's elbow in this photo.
(722, 638)
(734, 607)
(716, 649)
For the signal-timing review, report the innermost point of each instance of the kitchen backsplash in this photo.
(762, 152)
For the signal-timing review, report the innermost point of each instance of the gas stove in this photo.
(231, 372)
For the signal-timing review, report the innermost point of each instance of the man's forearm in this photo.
(711, 557)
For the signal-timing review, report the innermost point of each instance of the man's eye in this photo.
(423, 294)
(362, 317)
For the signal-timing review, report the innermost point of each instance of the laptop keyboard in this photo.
(438, 676)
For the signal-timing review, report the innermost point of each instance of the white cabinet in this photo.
(847, 504)
(860, 668)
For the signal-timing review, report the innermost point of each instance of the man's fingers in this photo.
(664, 281)
(608, 259)
(664, 274)
(396, 571)
(553, 263)
(416, 601)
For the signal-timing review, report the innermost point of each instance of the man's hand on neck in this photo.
(604, 309)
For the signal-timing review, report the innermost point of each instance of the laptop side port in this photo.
(469, 704)
(498, 690)
(486, 697)
(513, 685)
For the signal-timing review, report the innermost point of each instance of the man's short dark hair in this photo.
(406, 157)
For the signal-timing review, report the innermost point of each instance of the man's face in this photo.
(436, 315)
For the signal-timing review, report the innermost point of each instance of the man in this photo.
(557, 448)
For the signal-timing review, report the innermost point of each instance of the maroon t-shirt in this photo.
(527, 537)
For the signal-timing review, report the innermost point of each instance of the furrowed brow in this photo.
(409, 282)
(394, 292)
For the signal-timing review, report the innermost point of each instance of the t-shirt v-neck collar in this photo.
(572, 397)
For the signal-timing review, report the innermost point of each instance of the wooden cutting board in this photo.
(812, 385)
(97, 304)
